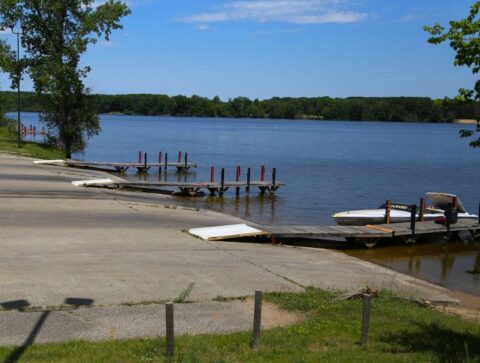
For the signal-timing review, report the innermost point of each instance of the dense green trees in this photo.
(55, 34)
(463, 37)
(410, 109)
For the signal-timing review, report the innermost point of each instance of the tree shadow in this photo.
(21, 305)
(446, 344)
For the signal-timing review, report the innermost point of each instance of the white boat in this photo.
(436, 207)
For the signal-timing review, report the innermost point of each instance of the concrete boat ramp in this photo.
(126, 253)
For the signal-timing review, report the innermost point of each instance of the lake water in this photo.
(328, 166)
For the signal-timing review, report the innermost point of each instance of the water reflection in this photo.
(449, 264)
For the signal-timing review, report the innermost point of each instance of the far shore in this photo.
(466, 121)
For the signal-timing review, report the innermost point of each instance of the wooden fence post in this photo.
(367, 298)
(257, 319)
(170, 330)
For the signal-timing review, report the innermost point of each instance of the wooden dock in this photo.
(123, 167)
(371, 234)
(197, 188)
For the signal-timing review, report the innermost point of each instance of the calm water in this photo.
(328, 166)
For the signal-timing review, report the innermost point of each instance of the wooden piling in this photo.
(139, 157)
(222, 182)
(421, 214)
(160, 157)
(257, 320)
(170, 329)
(388, 207)
(448, 217)
(145, 162)
(237, 179)
(212, 174)
(186, 161)
(166, 161)
(179, 157)
(478, 213)
(274, 177)
(249, 177)
(262, 173)
(367, 298)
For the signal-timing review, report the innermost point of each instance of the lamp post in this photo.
(19, 140)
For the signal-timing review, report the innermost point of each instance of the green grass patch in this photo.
(8, 143)
(400, 332)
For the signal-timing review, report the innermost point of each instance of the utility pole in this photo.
(19, 140)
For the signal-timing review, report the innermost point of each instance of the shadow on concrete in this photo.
(21, 305)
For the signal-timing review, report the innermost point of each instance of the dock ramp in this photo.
(221, 233)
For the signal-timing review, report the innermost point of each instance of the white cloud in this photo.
(286, 11)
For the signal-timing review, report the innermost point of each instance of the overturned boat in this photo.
(438, 204)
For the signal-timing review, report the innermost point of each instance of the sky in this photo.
(266, 48)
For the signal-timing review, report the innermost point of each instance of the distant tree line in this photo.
(408, 109)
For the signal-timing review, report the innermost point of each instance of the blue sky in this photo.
(265, 48)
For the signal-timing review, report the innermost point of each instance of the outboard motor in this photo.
(451, 214)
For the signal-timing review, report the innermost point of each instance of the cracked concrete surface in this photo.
(59, 241)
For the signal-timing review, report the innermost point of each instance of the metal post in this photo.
(257, 320)
(169, 323)
(413, 218)
(367, 298)
(249, 176)
(19, 137)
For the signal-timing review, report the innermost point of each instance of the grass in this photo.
(400, 332)
(8, 143)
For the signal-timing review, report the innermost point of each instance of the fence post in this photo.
(388, 207)
(257, 319)
(170, 332)
(367, 298)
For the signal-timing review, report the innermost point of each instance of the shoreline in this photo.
(124, 248)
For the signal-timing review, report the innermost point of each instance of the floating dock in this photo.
(123, 167)
(371, 234)
(185, 188)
